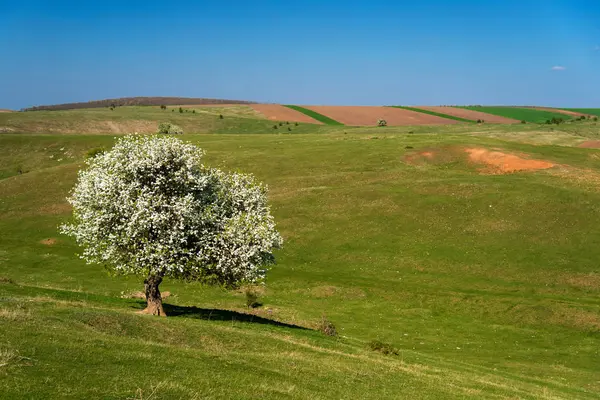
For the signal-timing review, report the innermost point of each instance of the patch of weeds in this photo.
(7, 281)
(95, 152)
(383, 348)
(17, 313)
(409, 147)
(10, 357)
(327, 327)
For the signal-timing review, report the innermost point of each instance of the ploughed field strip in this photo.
(313, 114)
(277, 112)
(468, 114)
(569, 113)
(369, 115)
(526, 114)
(586, 111)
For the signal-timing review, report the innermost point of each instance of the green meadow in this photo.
(521, 114)
(484, 285)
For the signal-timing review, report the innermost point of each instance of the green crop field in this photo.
(591, 111)
(313, 114)
(434, 113)
(521, 114)
(486, 285)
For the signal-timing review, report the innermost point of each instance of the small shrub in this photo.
(112, 108)
(169, 129)
(409, 147)
(381, 122)
(289, 129)
(296, 124)
(287, 122)
(275, 126)
(523, 122)
(173, 110)
(326, 327)
(163, 107)
(221, 116)
(281, 124)
(595, 119)
(252, 298)
(193, 111)
(478, 121)
(95, 152)
(383, 348)
(180, 110)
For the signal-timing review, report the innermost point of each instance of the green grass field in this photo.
(521, 114)
(435, 113)
(313, 114)
(487, 285)
(591, 111)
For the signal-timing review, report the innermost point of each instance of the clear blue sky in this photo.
(303, 52)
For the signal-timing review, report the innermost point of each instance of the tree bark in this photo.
(153, 298)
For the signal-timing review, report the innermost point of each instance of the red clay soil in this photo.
(469, 114)
(276, 112)
(590, 144)
(368, 116)
(505, 163)
(559, 111)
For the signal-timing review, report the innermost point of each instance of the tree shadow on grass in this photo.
(213, 314)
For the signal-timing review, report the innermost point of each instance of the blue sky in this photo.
(303, 52)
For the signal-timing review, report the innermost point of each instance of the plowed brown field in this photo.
(368, 116)
(278, 112)
(3, 110)
(469, 114)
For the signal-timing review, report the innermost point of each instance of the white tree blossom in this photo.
(150, 207)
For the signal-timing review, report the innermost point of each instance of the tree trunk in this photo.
(153, 298)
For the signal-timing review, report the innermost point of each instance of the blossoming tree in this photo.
(150, 207)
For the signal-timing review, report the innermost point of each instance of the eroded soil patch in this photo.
(499, 162)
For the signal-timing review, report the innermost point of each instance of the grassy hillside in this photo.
(482, 295)
(521, 114)
(434, 113)
(135, 101)
(591, 111)
(313, 114)
(238, 119)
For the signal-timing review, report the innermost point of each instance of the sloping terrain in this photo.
(368, 116)
(519, 113)
(470, 114)
(587, 111)
(277, 112)
(394, 237)
(136, 101)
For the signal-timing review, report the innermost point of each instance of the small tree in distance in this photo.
(381, 122)
(149, 207)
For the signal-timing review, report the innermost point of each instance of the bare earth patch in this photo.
(470, 114)
(590, 144)
(368, 116)
(49, 241)
(505, 163)
(277, 112)
(2, 110)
